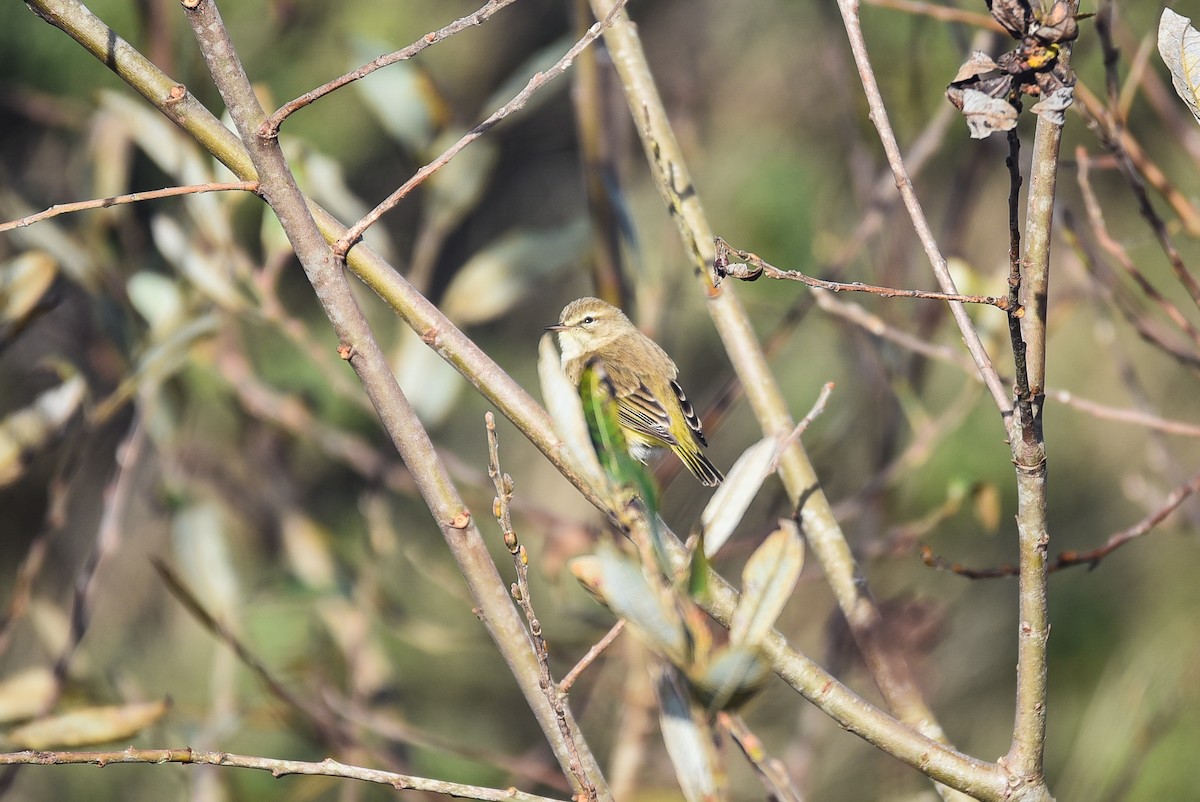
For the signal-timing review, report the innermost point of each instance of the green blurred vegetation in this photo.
(267, 482)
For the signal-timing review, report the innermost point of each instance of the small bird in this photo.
(651, 407)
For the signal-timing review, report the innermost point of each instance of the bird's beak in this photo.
(557, 327)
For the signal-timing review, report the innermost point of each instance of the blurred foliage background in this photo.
(259, 471)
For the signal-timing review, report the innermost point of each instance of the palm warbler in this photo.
(652, 409)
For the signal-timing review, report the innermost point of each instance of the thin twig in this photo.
(597, 649)
(1093, 113)
(133, 197)
(271, 125)
(887, 137)
(1117, 250)
(940, 12)
(356, 231)
(316, 715)
(520, 591)
(770, 770)
(817, 408)
(278, 768)
(761, 267)
(109, 535)
(390, 726)
(1128, 309)
(877, 326)
(1070, 559)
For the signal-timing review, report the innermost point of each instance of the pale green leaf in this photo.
(768, 580)
(27, 693)
(209, 270)
(511, 268)
(402, 98)
(725, 509)
(86, 726)
(617, 582)
(562, 401)
(157, 299)
(430, 382)
(28, 430)
(730, 679)
(200, 535)
(24, 281)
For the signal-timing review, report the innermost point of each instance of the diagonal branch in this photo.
(359, 347)
(271, 125)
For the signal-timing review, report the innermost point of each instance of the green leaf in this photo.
(625, 472)
(617, 582)
(730, 679)
(89, 725)
(24, 283)
(402, 97)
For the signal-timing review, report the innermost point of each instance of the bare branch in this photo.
(520, 591)
(271, 125)
(723, 267)
(278, 768)
(1071, 559)
(356, 231)
(133, 197)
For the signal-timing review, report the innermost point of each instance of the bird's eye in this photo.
(589, 319)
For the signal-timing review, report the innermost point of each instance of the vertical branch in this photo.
(502, 509)
(589, 99)
(887, 137)
(1025, 756)
(1013, 162)
(890, 670)
(359, 347)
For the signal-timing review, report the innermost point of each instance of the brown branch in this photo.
(133, 197)
(359, 347)
(755, 267)
(1071, 559)
(1109, 132)
(270, 126)
(941, 13)
(109, 535)
(356, 231)
(1117, 251)
(597, 649)
(317, 716)
(1127, 308)
(278, 768)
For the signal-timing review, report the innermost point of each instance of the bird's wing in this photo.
(689, 413)
(641, 411)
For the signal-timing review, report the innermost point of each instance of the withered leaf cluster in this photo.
(988, 91)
